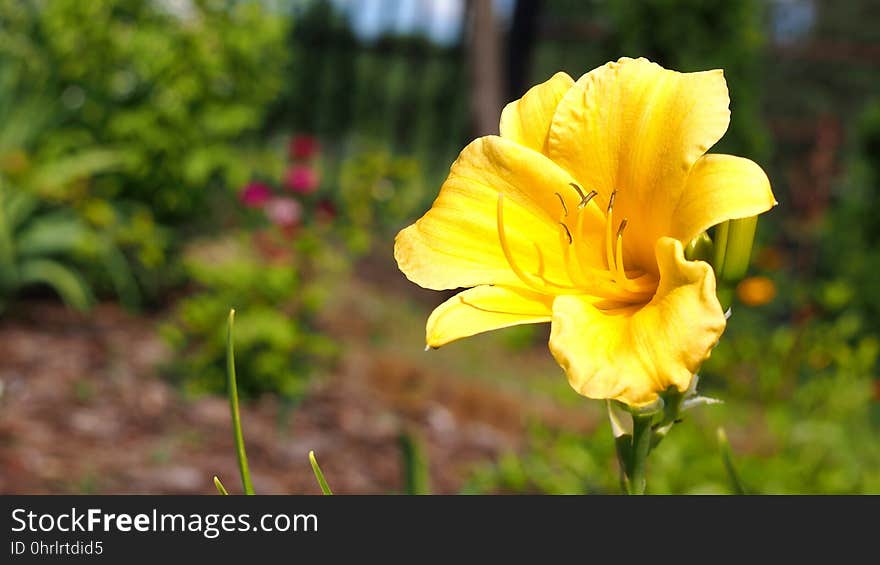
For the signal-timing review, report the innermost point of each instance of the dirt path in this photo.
(82, 410)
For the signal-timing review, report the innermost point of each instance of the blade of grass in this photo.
(416, 479)
(727, 457)
(233, 405)
(219, 486)
(325, 488)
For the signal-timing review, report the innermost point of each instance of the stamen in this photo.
(567, 232)
(521, 275)
(505, 248)
(561, 201)
(575, 186)
(540, 274)
(609, 245)
(586, 199)
(618, 257)
(567, 250)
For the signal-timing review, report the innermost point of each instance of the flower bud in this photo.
(700, 248)
(733, 248)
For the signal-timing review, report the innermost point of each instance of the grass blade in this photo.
(233, 405)
(219, 486)
(325, 488)
(727, 457)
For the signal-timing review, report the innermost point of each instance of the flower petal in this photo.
(632, 354)
(486, 308)
(635, 127)
(456, 243)
(719, 188)
(527, 120)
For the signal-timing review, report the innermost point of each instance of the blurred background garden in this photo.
(162, 161)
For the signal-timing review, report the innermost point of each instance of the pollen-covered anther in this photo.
(567, 232)
(586, 199)
(609, 237)
(611, 202)
(562, 201)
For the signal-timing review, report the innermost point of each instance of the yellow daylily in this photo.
(577, 215)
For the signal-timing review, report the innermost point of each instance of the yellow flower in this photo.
(577, 215)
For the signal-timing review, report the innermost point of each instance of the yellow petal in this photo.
(633, 354)
(486, 308)
(527, 120)
(456, 243)
(635, 127)
(719, 188)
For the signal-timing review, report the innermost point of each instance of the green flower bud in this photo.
(733, 248)
(700, 248)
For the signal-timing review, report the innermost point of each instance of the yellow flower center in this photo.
(612, 282)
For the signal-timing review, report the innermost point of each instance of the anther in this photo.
(610, 258)
(562, 201)
(586, 199)
(621, 228)
(575, 186)
(567, 232)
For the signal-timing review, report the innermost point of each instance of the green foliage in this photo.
(51, 213)
(277, 299)
(37, 249)
(376, 192)
(169, 90)
(684, 35)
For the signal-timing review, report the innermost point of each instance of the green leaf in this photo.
(121, 275)
(19, 206)
(67, 283)
(51, 234)
(57, 174)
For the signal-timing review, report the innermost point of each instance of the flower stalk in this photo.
(634, 473)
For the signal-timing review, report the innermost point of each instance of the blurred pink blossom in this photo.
(284, 212)
(301, 179)
(255, 194)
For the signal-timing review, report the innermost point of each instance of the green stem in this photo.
(233, 404)
(638, 455)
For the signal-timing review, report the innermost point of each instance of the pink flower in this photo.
(284, 212)
(303, 147)
(255, 194)
(301, 179)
